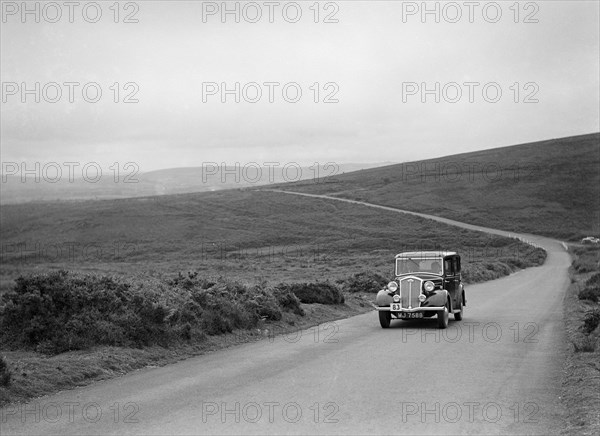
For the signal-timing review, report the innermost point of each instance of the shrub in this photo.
(264, 304)
(62, 311)
(584, 266)
(479, 272)
(219, 307)
(590, 293)
(591, 321)
(318, 292)
(364, 282)
(288, 300)
(593, 280)
(5, 373)
(585, 344)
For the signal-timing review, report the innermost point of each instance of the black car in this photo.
(427, 283)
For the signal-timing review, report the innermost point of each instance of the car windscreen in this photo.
(406, 265)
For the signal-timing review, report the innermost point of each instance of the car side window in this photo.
(455, 264)
(448, 266)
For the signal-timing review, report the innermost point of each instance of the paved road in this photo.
(496, 372)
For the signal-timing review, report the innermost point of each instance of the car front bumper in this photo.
(433, 303)
(416, 309)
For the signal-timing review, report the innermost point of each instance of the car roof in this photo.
(427, 254)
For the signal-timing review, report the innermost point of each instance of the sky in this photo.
(343, 81)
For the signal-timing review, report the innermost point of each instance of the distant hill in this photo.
(548, 187)
(163, 182)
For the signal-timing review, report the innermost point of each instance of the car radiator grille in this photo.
(409, 292)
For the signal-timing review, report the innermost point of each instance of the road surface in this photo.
(496, 372)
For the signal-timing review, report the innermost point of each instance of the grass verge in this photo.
(581, 384)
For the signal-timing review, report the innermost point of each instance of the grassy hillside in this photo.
(244, 235)
(547, 187)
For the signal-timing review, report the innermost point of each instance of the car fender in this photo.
(439, 298)
(383, 298)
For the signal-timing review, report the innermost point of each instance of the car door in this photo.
(458, 282)
(452, 278)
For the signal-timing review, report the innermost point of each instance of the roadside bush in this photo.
(585, 344)
(593, 281)
(264, 304)
(62, 311)
(586, 250)
(366, 282)
(218, 307)
(591, 321)
(288, 300)
(590, 294)
(58, 311)
(318, 292)
(584, 265)
(483, 271)
(5, 373)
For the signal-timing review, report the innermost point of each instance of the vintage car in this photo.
(427, 283)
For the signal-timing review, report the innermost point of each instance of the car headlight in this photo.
(429, 286)
(422, 298)
(392, 286)
(396, 298)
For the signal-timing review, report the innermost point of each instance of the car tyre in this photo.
(458, 316)
(442, 317)
(385, 317)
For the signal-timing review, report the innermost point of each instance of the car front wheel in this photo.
(384, 318)
(442, 317)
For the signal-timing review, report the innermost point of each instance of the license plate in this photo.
(396, 307)
(411, 315)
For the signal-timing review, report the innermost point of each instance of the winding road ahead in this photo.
(496, 372)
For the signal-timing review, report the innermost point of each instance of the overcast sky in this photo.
(374, 60)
